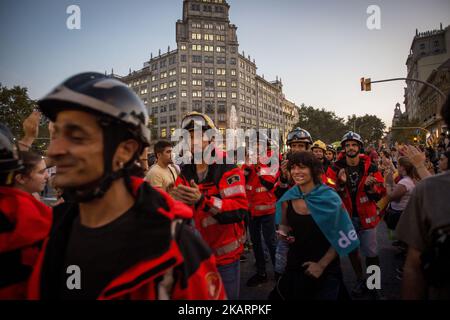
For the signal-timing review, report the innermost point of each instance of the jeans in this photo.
(266, 224)
(231, 275)
(281, 256)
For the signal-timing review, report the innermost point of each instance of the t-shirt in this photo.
(427, 212)
(354, 176)
(400, 204)
(99, 253)
(161, 177)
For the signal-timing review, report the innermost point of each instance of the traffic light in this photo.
(366, 84)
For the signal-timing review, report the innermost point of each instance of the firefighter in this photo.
(216, 191)
(260, 185)
(24, 223)
(330, 154)
(319, 148)
(117, 237)
(360, 185)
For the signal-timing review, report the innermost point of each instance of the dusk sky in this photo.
(320, 49)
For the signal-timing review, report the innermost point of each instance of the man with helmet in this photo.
(24, 223)
(297, 140)
(216, 191)
(330, 154)
(360, 185)
(117, 237)
(319, 148)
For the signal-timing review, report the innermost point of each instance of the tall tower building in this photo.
(206, 73)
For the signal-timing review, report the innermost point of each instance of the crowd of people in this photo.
(141, 230)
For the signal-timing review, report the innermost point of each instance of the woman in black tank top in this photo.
(313, 268)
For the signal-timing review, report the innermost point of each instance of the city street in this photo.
(390, 260)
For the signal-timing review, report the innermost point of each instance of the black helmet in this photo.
(9, 152)
(118, 107)
(331, 148)
(299, 135)
(352, 136)
(96, 92)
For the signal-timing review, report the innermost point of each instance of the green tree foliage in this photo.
(15, 106)
(321, 124)
(370, 127)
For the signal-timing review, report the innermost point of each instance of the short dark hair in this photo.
(29, 160)
(445, 111)
(160, 146)
(308, 160)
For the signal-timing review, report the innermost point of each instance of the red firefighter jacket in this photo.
(176, 264)
(24, 224)
(260, 185)
(219, 215)
(365, 202)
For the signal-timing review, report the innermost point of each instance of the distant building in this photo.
(429, 50)
(430, 101)
(206, 73)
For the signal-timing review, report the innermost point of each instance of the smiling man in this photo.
(360, 185)
(126, 239)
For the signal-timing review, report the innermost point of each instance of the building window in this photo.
(233, 84)
(221, 108)
(209, 108)
(172, 72)
(197, 94)
(209, 37)
(220, 38)
(183, 82)
(163, 133)
(234, 95)
(220, 49)
(221, 83)
(221, 60)
(183, 70)
(183, 58)
(195, 7)
(183, 93)
(209, 94)
(209, 83)
(233, 61)
(197, 59)
(208, 48)
(196, 70)
(208, 59)
(233, 72)
(172, 84)
(221, 94)
(209, 71)
(172, 60)
(153, 78)
(196, 47)
(163, 86)
(196, 82)
(221, 72)
(197, 106)
(163, 75)
(183, 47)
(154, 88)
(196, 25)
(162, 64)
(196, 36)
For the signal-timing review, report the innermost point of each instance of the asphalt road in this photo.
(390, 259)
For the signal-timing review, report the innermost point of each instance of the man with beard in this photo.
(360, 185)
(162, 174)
